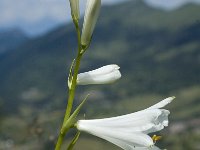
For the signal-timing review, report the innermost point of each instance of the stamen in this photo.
(156, 138)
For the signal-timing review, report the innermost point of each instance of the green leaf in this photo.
(72, 119)
(73, 142)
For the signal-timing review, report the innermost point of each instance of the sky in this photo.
(37, 16)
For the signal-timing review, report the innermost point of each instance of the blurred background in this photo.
(155, 42)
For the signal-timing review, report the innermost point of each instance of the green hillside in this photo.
(158, 52)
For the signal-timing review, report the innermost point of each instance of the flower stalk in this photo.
(128, 131)
(90, 19)
(72, 88)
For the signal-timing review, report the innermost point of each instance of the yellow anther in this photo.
(156, 138)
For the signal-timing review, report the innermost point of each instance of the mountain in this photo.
(11, 38)
(158, 52)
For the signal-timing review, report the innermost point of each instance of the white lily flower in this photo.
(90, 19)
(130, 131)
(104, 75)
(74, 4)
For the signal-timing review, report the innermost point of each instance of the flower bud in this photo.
(104, 75)
(74, 4)
(90, 19)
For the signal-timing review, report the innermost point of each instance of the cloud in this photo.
(27, 13)
(34, 10)
(31, 10)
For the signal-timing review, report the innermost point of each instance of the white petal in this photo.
(147, 148)
(146, 121)
(119, 138)
(104, 70)
(104, 75)
(163, 103)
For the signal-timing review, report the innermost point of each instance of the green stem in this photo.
(72, 89)
(59, 142)
(76, 69)
(70, 101)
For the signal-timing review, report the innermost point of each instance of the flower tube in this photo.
(104, 75)
(90, 19)
(130, 132)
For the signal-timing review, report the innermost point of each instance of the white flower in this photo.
(74, 4)
(130, 131)
(104, 75)
(90, 19)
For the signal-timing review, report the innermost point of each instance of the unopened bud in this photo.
(74, 4)
(90, 19)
